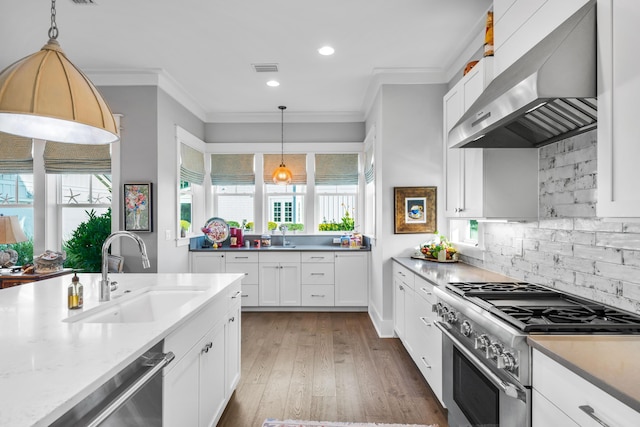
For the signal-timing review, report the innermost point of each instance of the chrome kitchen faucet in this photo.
(105, 286)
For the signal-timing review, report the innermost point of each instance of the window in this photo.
(336, 179)
(16, 198)
(190, 183)
(285, 205)
(79, 193)
(464, 231)
(233, 180)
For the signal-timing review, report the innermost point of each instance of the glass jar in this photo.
(265, 240)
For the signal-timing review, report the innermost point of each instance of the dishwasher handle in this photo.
(156, 364)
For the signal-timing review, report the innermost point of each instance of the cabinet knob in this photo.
(206, 347)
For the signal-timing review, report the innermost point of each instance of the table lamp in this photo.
(10, 232)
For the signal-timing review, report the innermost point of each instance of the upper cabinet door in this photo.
(618, 93)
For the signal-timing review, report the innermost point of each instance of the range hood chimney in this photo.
(547, 95)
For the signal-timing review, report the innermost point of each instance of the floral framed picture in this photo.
(138, 212)
(415, 210)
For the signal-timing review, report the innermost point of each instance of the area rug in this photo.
(269, 422)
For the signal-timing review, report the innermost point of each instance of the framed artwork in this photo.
(138, 212)
(415, 210)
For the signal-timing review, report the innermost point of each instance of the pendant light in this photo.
(282, 175)
(45, 96)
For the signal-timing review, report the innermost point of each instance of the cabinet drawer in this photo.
(318, 295)
(403, 274)
(317, 274)
(425, 290)
(279, 256)
(317, 257)
(244, 256)
(250, 270)
(568, 391)
(250, 295)
(182, 339)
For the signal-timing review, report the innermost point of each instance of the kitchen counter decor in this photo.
(438, 250)
(216, 230)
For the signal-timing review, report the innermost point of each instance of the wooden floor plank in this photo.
(326, 367)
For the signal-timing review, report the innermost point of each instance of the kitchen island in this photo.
(49, 365)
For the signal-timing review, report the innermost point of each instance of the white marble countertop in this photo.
(442, 273)
(47, 366)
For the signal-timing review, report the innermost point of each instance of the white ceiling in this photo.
(206, 47)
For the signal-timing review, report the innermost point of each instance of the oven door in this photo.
(474, 394)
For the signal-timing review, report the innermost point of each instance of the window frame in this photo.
(261, 196)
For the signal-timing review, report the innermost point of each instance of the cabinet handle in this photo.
(246, 274)
(316, 257)
(206, 347)
(241, 257)
(317, 274)
(426, 291)
(236, 294)
(425, 362)
(233, 319)
(317, 295)
(245, 295)
(400, 287)
(592, 413)
(401, 273)
(424, 320)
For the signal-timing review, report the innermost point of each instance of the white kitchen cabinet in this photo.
(246, 263)
(206, 369)
(318, 279)
(211, 385)
(618, 92)
(485, 183)
(403, 279)
(521, 24)
(413, 323)
(207, 262)
(232, 345)
(351, 280)
(572, 397)
(279, 279)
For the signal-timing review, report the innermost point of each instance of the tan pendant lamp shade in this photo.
(44, 96)
(282, 175)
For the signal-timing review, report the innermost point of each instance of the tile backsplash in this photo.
(569, 248)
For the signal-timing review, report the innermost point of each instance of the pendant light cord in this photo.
(282, 108)
(53, 30)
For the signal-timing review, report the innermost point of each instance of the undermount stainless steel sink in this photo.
(144, 305)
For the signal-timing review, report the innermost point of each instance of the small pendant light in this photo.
(282, 175)
(45, 96)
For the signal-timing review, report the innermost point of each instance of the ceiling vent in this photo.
(265, 68)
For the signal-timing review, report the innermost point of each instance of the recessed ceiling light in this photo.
(273, 83)
(326, 50)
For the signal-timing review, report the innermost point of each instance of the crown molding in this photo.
(399, 76)
(148, 77)
(292, 117)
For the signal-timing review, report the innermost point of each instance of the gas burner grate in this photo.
(576, 318)
(483, 288)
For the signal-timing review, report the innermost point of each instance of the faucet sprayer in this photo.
(105, 286)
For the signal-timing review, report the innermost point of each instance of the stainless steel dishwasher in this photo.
(132, 398)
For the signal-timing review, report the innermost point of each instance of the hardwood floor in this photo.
(326, 367)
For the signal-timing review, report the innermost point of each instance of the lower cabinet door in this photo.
(290, 284)
(317, 295)
(180, 392)
(212, 384)
(232, 347)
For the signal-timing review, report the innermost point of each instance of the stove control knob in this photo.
(494, 351)
(482, 342)
(444, 311)
(452, 317)
(506, 361)
(466, 328)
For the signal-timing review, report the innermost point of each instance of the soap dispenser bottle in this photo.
(75, 293)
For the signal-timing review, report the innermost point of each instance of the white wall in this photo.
(408, 120)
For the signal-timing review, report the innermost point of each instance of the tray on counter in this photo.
(433, 259)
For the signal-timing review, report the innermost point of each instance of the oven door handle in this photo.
(508, 388)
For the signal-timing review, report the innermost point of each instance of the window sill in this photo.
(470, 250)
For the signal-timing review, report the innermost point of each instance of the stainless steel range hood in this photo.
(547, 95)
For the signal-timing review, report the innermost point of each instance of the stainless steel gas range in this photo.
(486, 359)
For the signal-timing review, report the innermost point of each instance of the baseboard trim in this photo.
(384, 328)
(319, 309)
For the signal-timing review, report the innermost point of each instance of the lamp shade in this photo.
(45, 96)
(10, 230)
(282, 175)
